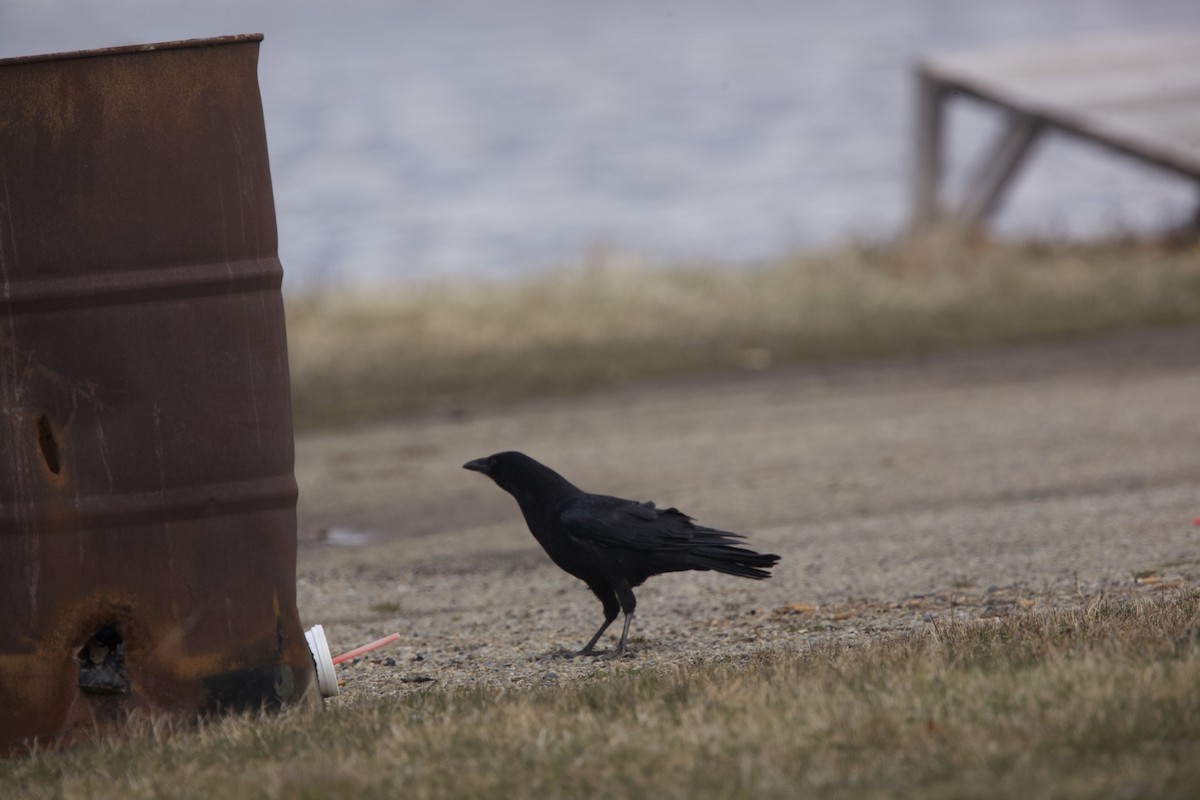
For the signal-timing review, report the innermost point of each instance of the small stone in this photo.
(388, 662)
(418, 679)
(550, 677)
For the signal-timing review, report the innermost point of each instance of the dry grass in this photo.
(1101, 701)
(444, 347)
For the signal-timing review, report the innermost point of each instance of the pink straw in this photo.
(366, 648)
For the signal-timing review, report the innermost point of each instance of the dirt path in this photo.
(895, 493)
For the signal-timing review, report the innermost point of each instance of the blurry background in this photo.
(481, 138)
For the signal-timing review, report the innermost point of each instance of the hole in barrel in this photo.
(48, 445)
(102, 662)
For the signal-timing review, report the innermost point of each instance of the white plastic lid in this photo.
(326, 674)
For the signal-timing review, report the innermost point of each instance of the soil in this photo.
(900, 495)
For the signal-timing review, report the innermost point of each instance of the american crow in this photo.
(611, 544)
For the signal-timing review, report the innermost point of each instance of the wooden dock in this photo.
(1137, 96)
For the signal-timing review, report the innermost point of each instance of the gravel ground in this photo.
(899, 495)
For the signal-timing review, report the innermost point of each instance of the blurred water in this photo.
(417, 139)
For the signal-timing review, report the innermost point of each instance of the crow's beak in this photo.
(478, 465)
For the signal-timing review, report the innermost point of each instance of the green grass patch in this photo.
(438, 348)
(1101, 701)
(385, 607)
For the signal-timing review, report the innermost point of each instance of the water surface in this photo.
(420, 139)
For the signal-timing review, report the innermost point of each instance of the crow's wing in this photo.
(614, 522)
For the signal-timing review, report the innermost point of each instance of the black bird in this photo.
(612, 544)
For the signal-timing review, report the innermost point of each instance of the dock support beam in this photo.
(928, 162)
(998, 168)
(991, 177)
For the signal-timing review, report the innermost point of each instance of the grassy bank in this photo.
(445, 347)
(1102, 701)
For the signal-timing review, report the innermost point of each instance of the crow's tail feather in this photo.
(713, 549)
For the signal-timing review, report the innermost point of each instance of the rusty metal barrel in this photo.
(147, 492)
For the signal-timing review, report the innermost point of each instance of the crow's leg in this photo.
(589, 648)
(611, 609)
(624, 636)
(628, 604)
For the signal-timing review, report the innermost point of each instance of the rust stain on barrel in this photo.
(147, 497)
